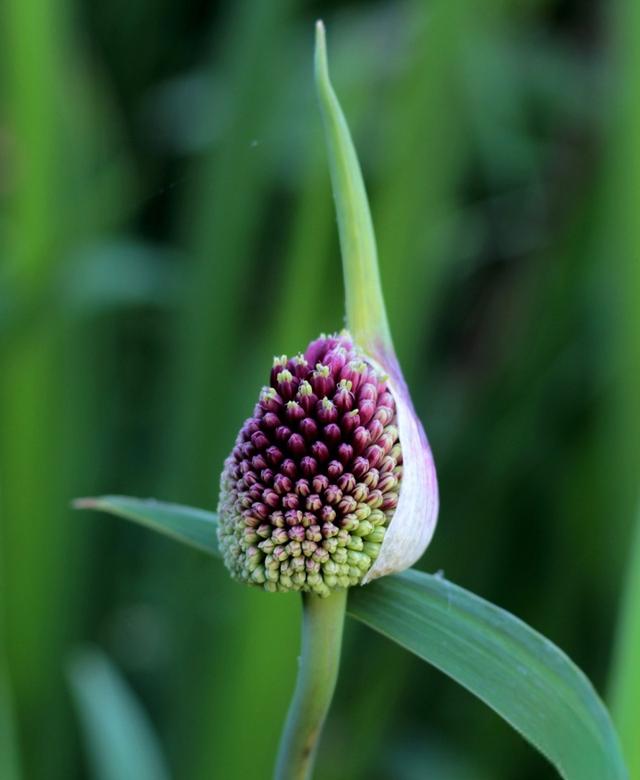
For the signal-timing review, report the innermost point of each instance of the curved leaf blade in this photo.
(521, 675)
(186, 524)
(516, 671)
(120, 740)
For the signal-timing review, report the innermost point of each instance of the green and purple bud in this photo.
(331, 482)
(317, 475)
(313, 481)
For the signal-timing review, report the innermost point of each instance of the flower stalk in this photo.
(322, 623)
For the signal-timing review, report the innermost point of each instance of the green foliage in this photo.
(9, 768)
(622, 236)
(166, 223)
(516, 671)
(185, 524)
(119, 738)
(626, 680)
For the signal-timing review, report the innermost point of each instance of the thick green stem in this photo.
(322, 622)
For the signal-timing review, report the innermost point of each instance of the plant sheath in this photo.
(366, 313)
(322, 624)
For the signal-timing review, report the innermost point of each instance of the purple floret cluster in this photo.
(313, 479)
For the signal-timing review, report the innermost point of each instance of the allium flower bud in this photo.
(331, 482)
(313, 481)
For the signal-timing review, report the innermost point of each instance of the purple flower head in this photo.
(331, 482)
(313, 481)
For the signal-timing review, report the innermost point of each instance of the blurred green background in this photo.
(166, 226)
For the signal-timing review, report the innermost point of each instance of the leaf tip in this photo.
(85, 503)
(321, 67)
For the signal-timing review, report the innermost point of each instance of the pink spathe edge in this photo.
(414, 521)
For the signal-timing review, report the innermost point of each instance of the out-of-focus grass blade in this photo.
(222, 220)
(521, 675)
(9, 767)
(120, 741)
(622, 237)
(194, 527)
(532, 684)
(626, 680)
(9, 751)
(226, 215)
(415, 204)
(65, 191)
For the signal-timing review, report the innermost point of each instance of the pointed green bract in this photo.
(366, 313)
(516, 671)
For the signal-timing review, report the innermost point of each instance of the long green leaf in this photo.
(526, 679)
(121, 743)
(194, 527)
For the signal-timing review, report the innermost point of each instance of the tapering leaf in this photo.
(519, 673)
(194, 527)
(366, 313)
(120, 740)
